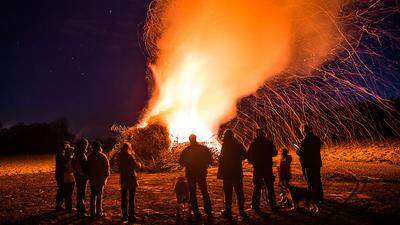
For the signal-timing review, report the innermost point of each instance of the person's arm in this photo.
(84, 164)
(242, 151)
(107, 166)
(182, 158)
(221, 155)
(64, 163)
(319, 144)
(88, 166)
(250, 154)
(209, 156)
(135, 164)
(300, 150)
(58, 161)
(274, 151)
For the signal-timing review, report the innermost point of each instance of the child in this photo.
(182, 194)
(69, 181)
(284, 174)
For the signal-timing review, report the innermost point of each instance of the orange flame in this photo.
(208, 54)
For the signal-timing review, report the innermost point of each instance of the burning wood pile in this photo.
(151, 145)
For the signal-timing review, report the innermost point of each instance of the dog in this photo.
(295, 195)
(182, 195)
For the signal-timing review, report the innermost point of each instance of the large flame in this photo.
(207, 54)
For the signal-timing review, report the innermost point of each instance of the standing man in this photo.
(260, 156)
(230, 170)
(127, 168)
(310, 157)
(79, 164)
(196, 158)
(59, 174)
(98, 171)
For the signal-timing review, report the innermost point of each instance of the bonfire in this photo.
(250, 64)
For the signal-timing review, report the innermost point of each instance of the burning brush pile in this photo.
(151, 145)
(154, 147)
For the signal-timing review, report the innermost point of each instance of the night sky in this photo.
(81, 60)
(84, 60)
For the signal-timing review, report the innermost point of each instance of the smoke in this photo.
(205, 55)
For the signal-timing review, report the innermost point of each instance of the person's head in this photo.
(69, 152)
(65, 145)
(96, 146)
(82, 145)
(181, 179)
(260, 133)
(284, 152)
(193, 139)
(126, 147)
(229, 135)
(305, 129)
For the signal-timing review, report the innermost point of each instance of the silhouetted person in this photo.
(284, 173)
(260, 156)
(196, 158)
(230, 170)
(80, 166)
(310, 158)
(98, 171)
(69, 181)
(127, 167)
(182, 194)
(59, 175)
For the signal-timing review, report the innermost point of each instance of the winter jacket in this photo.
(98, 168)
(196, 158)
(310, 151)
(260, 154)
(79, 164)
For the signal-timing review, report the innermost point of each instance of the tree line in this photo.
(35, 138)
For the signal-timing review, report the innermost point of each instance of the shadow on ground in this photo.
(332, 212)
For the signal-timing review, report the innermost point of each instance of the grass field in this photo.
(361, 183)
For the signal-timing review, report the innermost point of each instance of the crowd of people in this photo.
(76, 166)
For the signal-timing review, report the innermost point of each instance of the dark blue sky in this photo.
(81, 60)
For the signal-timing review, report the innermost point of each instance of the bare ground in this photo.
(358, 190)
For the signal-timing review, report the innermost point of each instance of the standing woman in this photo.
(127, 167)
(231, 172)
(79, 164)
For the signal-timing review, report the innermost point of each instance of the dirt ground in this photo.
(359, 189)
